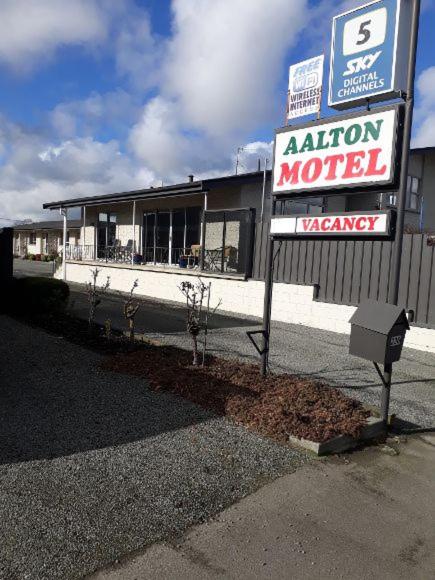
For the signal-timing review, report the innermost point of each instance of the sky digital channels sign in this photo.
(355, 150)
(305, 87)
(369, 53)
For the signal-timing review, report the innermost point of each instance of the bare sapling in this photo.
(130, 310)
(196, 295)
(95, 293)
(108, 329)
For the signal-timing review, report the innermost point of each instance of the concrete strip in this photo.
(373, 430)
(365, 516)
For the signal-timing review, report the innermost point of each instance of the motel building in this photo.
(218, 229)
(44, 238)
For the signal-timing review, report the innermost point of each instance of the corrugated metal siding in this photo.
(350, 271)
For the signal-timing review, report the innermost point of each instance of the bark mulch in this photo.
(276, 407)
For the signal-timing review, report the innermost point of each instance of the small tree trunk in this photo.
(131, 324)
(195, 350)
(91, 315)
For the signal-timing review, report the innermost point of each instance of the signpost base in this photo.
(386, 390)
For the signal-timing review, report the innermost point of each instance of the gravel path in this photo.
(295, 349)
(93, 465)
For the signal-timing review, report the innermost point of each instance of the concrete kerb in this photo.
(372, 431)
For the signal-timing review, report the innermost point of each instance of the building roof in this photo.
(423, 150)
(179, 189)
(48, 225)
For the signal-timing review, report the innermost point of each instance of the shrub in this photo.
(31, 256)
(38, 257)
(37, 295)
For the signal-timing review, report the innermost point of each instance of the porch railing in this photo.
(79, 253)
(219, 260)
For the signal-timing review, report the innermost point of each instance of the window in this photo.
(106, 232)
(413, 194)
(308, 205)
(32, 238)
(392, 199)
(413, 197)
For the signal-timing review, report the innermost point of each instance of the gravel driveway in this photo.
(93, 465)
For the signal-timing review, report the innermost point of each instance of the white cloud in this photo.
(220, 79)
(36, 171)
(137, 51)
(116, 109)
(161, 142)
(253, 154)
(424, 117)
(225, 60)
(31, 30)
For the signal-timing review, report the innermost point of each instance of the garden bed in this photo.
(279, 406)
(283, 407)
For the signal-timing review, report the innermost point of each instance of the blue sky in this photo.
(99, 96)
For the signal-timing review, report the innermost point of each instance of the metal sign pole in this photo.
(268, 284)
(401, 194)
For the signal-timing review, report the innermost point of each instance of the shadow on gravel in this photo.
(43, 417)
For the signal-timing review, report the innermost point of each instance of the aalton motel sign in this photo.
(358, 150)
(334, 225)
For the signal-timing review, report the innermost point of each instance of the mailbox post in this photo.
(377, 334)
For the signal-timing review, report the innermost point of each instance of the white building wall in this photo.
(36, 247)
(291, 303)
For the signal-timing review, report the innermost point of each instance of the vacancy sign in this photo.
(375, 224)
(305, 88)
(369, 53)
(358, 150)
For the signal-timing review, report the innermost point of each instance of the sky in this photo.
(100, 96)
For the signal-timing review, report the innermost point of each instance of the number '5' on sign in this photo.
(365, 32)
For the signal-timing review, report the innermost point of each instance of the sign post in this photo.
(373, 57)
(406, 142)
(401, 196)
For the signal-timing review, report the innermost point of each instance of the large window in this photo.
(32, 238)
(106, 232)
(308, 205)
(168, 235)
(229, 241)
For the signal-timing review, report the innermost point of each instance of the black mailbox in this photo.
(378, 331)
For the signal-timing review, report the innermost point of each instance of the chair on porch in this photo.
(127, 251)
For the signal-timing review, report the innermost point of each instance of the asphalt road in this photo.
(294, 348)
(32, 268)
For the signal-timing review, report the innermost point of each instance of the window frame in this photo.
(412, 179)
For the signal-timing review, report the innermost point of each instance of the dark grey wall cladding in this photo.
(350, 271)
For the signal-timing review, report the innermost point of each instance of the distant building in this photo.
(44, 238)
